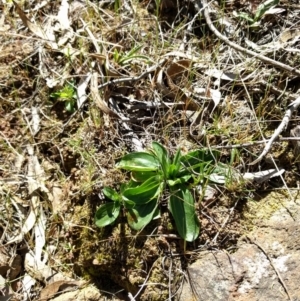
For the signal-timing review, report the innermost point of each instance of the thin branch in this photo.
(248, 144)
(288, 114)
(133, 78)
(293, 106)
(240, 48)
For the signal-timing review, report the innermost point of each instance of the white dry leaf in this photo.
(209, 192)
(35, 121)
(36, 174)
(216, 97)
(199, 91)
(81, 94)
(49, 29)
(220, 74)
(56, 199)
(52, 82)
(67, 33)
(36, 29)
(289, 34)
(27, 283)
(41, 271)
(62, 15)
(3, 26)
(274, 11)
(29, 222)
(35, 179)
(18, 162)
(67, 36)
(262, 176)
(40, 237)
(2, 283)
(160, 83)
(229, 76)
(213, 94)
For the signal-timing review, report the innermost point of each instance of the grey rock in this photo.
(254, 270)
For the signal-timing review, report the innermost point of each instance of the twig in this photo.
(288, 114)
(254, 143)
(293, 106)
(240, 48)
(144, 283)
(275, 269)
(225, 222)
(133, 78)
(98, 100)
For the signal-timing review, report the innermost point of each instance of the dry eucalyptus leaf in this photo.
(41, 271)
(62, 15)
(56, 199)
(89, 293)
(262, 176)
(81, 89)
(35, 121)
(179, 68)
(36, 29)
(61, 286)
(27, 283)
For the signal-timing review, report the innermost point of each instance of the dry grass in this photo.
(56, 156)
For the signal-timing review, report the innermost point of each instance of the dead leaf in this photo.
(56, 199)
(89, 293)
(27, 283)
(81, 94)
(288, 34)
(98, 99)
(36, 29)
(59, 286)
(262, 176)
(35, 121)
(62, 15)
(41, 271)
(179, 68)
(216, 97)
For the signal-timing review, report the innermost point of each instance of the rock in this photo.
(265, 267)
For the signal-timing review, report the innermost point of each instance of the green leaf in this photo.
(181, 205)
(197, 156)
(142, 176)
(140, 216)
(175, 165)
(107, 214)
(176, 160)
(263, 7)
(139, 161)
(245, 16)
(180, 180)
(145, 192)
(162, 156)
(198, 160)
(111, 194)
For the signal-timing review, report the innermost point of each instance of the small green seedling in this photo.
(260, 12)
(153, 174)
(67, 95)
(122, 58)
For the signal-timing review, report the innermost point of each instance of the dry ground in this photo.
(85, 83)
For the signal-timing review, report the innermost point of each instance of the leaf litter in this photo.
(55, 163)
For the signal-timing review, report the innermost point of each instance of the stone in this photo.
(264, 267)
